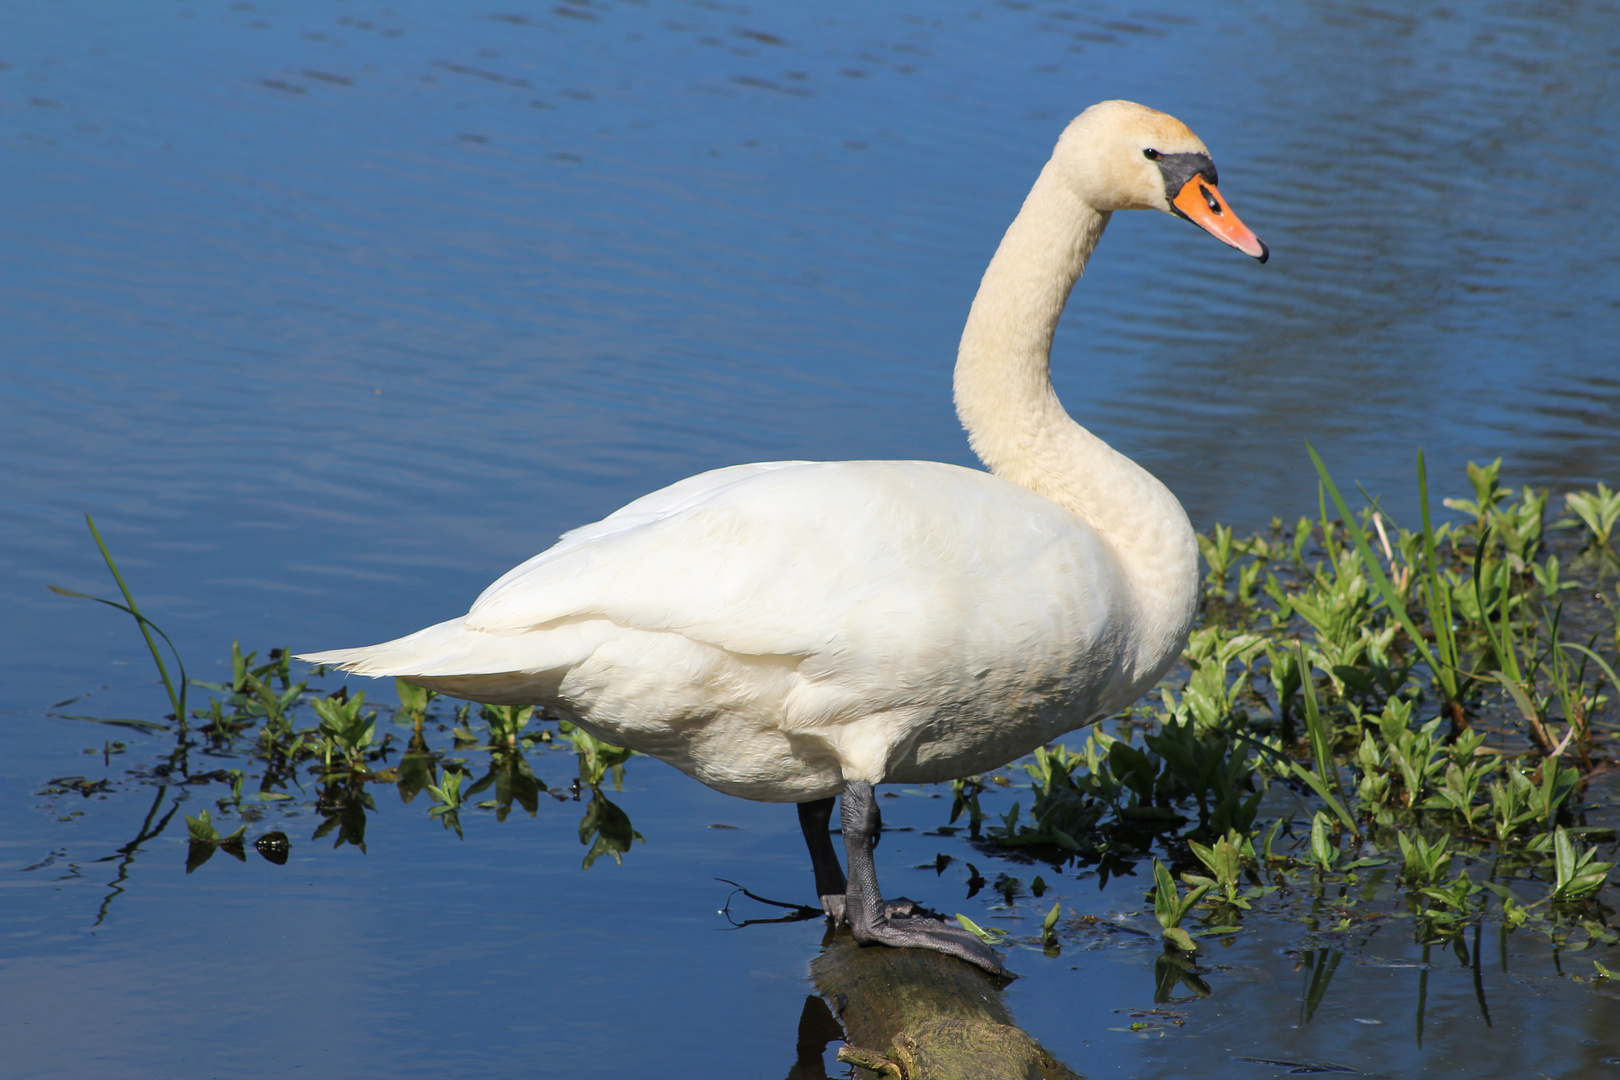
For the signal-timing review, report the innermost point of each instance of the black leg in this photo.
(870, 919)
(830, 885)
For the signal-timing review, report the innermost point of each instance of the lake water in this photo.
(329, 314)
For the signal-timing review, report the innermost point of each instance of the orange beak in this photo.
(1200, 203)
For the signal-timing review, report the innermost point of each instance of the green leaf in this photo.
(1164, 896)
(1321, 752)
(1520, 699)
(989, 937)
(413, 699)
(1563, 855)
(1361, 864)
(1180, 939)
(202, 828)
(1271, 837)
(1063, 839)
(1322, 850)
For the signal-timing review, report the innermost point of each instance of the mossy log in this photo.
(911, 1014)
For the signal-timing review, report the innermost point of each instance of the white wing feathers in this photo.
(861, 567)
(776, 559)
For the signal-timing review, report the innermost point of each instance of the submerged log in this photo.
(912, 1014)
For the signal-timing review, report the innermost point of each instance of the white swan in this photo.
(790, 631)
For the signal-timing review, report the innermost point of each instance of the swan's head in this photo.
(1119, 155)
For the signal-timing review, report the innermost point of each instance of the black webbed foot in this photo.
(898, 923)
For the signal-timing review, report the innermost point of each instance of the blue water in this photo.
(331, 313)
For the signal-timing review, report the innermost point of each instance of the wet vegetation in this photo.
(1376, 724)
(1373, 724)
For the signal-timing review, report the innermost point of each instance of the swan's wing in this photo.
(655, 505)
(796, 558)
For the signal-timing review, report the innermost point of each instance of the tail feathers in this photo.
(402, 656)
(450, 649)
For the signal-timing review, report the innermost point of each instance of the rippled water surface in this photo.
(331, 313)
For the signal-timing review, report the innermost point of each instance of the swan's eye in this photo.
(1151, 155)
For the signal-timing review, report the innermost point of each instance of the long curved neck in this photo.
(1017, 426)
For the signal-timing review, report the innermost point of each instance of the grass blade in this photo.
(144, 726)
(1439, 599)
(1315, 783)
(1326, 774)
(1604, 664)
(176, 700)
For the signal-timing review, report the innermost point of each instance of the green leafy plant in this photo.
(1049, 926)
(346, 730)
(1226, 860)
(507, 721)
(253, 691)
(413, 701)
(1219, 554)
(1170, 907)
(447, 801)
(205, 840)
(1578, 873)
(1598, 511)
(203, 831)
(1444, 658)
(596, 758)
(1425, 862)
(1448, 907)
(1486, 480)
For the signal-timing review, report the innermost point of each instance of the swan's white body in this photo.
(777, 630)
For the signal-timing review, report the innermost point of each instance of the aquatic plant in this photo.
(1384, 674)
(344, 756)
(1598, 511)
(1170, 907)
(205, 840)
